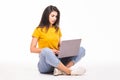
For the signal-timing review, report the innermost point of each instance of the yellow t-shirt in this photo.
(49, 39)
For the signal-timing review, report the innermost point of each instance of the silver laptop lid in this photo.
(69, 48)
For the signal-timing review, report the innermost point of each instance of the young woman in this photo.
(47, 35)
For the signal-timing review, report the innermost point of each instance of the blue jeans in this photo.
(48, 60)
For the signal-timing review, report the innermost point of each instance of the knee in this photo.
(45, 51)
(82, 51)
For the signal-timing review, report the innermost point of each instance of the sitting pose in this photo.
(47, 35)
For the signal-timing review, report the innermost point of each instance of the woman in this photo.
(47, 35)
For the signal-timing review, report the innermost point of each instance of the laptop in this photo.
(69, 48)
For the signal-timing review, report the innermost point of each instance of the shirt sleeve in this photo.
(36, 33)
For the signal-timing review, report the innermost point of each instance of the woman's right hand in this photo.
(55, 51)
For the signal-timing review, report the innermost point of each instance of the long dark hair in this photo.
(45, 18)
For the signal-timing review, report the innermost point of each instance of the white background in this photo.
(96, 22)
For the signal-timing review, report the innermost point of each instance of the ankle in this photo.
(71, 63)
(68, 72)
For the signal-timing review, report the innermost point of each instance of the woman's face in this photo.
(53, 17)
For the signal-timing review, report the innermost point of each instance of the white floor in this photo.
(25, 71)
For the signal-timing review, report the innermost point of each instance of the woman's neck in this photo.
(51, 25)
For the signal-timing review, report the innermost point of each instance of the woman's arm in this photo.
(34, 49)
(33, 46)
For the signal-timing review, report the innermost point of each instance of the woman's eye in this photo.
(52, 15)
